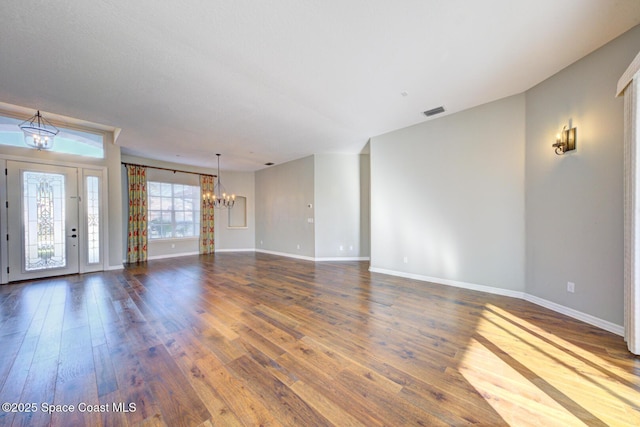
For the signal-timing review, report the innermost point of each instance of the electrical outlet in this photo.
(341, 248)
(571, 287)
(173, 246)
(298, 246)
(406, 260)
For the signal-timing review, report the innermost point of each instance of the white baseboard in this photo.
(308, 258)
(344, 258)
(284, 254)
(457, 284)
(151, 258)
(587, 318)
(235, 250)
(114, 267)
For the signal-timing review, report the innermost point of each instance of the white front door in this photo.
(42, 220)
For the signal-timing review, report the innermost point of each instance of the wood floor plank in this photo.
(171, 389)
(188, 355)
(344, 398)
(332, 412)
(112, 416)
(393, 409)
(76, 355)
(18, 373)
(10, 346)
(256, 339)
(281, 400)
(270, 365)
(247, 406)
(132, 386)
(105, 373)
(39, 388)
(70, 394)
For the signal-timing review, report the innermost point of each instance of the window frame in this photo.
(174, 223)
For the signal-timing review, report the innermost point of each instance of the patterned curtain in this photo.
(137, 242)
(207, 243)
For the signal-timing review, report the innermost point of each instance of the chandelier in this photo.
(220, 198)
(38, 132)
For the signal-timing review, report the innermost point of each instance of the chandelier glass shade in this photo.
(38, 132)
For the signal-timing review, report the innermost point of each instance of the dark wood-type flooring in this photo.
(254, 339)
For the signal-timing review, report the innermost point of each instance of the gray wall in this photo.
(365, 204)
(114, 200)
(447, 199)
(242, 184)
(339, 180)
(283, 193)
(574, 202)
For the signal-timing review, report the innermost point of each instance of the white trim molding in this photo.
(629, 86)
(150, 258)
(587, 318)
(455, 283)
(284, 254)
(308, 258)
(235, 250)
(346, 258)
(628, 76)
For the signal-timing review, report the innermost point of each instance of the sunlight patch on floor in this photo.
(559, 388)
(510, 394)
(495, 313)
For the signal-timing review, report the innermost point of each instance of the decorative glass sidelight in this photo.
(93, 219)
(44, 220)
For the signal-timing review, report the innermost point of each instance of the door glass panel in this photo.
(44, 219)
(93, 219)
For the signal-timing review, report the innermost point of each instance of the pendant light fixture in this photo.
(38, 132)
(222, 199)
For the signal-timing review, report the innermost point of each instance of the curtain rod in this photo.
(167, 169)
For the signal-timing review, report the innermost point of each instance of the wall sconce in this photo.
(565, 141)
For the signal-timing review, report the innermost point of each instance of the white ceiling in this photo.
(262, 81)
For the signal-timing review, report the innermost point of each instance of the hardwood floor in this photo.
(254, 339)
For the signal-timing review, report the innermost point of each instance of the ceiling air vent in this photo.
(434, 111)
